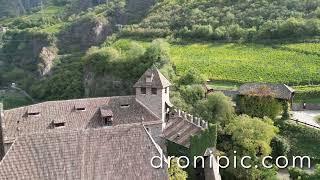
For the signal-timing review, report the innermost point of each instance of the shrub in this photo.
(280, 146)
(192, 93)
(192, 76)
(158, 53)
(259, 106)
(202, 31)
(296, 173)
(217, 108)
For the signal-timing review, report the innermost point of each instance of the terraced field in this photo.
(247, 63)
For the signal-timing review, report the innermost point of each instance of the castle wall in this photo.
(1, 132)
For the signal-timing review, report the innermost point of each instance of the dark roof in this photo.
(16, 122)
(122, 152)
(179, 131)
(279, 91)
(157, 79)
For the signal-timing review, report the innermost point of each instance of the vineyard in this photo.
(247, 63)
(309, 48)
(239, 63)
(310, 94)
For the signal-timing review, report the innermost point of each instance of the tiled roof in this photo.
(280, 91)
(157, 79)
(179, 131)
(106, 112)
(125, 110)
(118, 153)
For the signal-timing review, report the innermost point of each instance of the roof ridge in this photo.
(70, 100)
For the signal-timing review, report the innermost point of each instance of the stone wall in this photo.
(188, 117)
(309, 106)
(1, 134)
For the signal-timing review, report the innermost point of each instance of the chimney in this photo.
(1, 131)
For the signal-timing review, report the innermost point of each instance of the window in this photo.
(33, 113)
(166, 90)
(80, 108)
(154, 90)
(124, 105)
(57, 125)
(143, 90)
(108, 121)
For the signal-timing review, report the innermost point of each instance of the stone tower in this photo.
(152, 90)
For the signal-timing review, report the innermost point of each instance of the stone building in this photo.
(95, 138)
(281, 92)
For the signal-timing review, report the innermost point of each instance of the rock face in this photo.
(83, 34)
(46, 58)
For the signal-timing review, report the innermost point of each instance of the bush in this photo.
(202, 31)
(259, 106)
(158, 53)
(296, 173)
(217, 108)
(192, 93)
(193, 76)
(280, 146)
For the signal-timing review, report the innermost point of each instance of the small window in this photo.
(124, 105)
(33, 113)
(166, 90)
(143, 90)
(80, 108)
(57, 125)
(154, 90)
(108, 121)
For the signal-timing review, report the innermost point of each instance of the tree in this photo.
(280, 146)
(217, 108)
(251, 136)
(175, 172)
(192, 76)
(158, 53)
(259, 106)
(247, 136)
(192, 93)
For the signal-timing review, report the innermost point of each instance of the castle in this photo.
(96, 138)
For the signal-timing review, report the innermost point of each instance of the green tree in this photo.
(247, 136)
(217, 108)
(192, 93)
(175, 172)
(280, 146)
(252, 136)
(158, 53)
(259, 106)
(192, 76)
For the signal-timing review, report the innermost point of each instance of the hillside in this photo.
(232, 20)
(45, 49)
